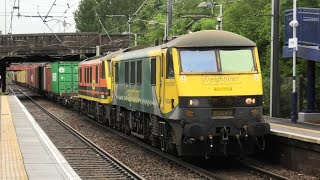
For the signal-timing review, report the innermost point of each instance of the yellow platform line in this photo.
(11, 161)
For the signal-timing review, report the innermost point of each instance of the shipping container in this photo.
(64, 78)
(21, 77)
(15, 77)
(47, 77)
(18, 67)
(308, 29)
(33, 76)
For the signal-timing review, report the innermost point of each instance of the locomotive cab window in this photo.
(103, 74)
(133, 72)
(169, 70)
(126, 67)
(198, 61)
(109, 68)
(116, 67)
(90, 72)
(97, 74)
(243, 58)
(153, 71)
(85, 75)
(91, 75)
(217, 60)
(88, 75)
(139, 72)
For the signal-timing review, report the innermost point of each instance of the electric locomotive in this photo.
(95, 88)
(197, 95)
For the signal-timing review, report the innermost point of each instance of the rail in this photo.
(111, 168)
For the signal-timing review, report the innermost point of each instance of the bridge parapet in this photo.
(59, 44)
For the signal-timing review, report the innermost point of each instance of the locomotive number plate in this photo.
(222, 113)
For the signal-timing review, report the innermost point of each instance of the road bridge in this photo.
(20, 48)
(60, 44)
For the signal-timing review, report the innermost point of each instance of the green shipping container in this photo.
(65, 78)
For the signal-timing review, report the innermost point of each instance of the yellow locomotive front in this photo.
(218, 94)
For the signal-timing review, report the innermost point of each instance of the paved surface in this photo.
(26, 151)
(11, 166)
(300, 131)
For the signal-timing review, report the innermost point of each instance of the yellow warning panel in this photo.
(11, 161)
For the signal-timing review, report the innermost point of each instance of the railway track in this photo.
(87, 159)
(243, 171)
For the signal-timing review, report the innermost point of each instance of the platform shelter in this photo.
(308, 34)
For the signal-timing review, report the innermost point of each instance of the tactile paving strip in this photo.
(11, 161)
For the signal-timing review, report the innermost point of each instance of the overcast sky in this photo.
(27, 25)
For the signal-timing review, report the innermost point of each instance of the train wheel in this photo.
(154, 141)
(166, 138)
(111, 118)
(126, 124)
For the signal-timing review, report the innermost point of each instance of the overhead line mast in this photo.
(13, 8)
(275, 54)
(5, 16)
(169, 21)
(133, 15)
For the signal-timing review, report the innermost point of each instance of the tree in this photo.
(85, 18)
(100, 15)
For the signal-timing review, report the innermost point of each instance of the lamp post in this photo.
(212, 5)
(165, 27)
(5, 17)
(135, 37)
(293, 43)
(129, 22)
(65, 24)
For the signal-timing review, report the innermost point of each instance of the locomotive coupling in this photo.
(224, 134)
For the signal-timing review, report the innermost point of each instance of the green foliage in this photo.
(84, 18)
(92, 13)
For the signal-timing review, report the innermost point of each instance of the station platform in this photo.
(300, 131)
(26, 152)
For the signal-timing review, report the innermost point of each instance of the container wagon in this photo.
(21, 77)
(64, 84)
(46, 76)
(34, 78)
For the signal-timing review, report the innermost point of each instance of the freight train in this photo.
(57, 81)
(197, 95)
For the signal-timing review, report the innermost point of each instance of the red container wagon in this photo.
(15, 77)
(31, 76)
(46, 79)
(34, 78)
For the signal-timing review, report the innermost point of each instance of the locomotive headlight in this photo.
(250, 101)
(194, 102)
